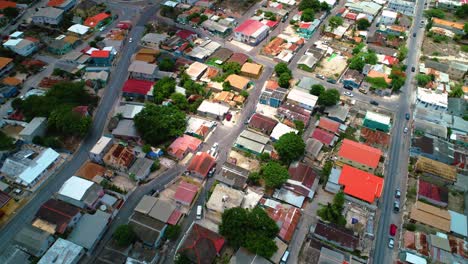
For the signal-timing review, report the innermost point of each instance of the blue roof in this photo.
(458, 223)
(40, 164)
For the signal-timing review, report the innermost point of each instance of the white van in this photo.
(199, 212)
(285, 257)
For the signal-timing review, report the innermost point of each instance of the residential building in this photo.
(101, 58)
(329, 125)
(149, 230)
(281, 129)
(184, 145)
(216, 28)
(96, 21)
(323, 136)
(201, 164)
(138, 89)
(80, 192)
(338, 113)
(431, 167)
(6, 204)
(196, 70)
(458, 224)
(251, 70)
(13, 255)
(289, 197)
(147, 55)
(433, 148)
(213, 110)
(153, 39)
(237, 82)
(126, 130)
(273, 96)
(307, 29)
(199, 127)
(6, 64)
(431, 216)
(440, 248)
(233, 176)
(303, 98)
(64, 252)
(262, 123)
(402, 6)
(33, 240)
(455, 27)
(286, 217)
(23, 47)
(352, 79)
(119, 157)
(129, 111)
(140, 70)
(58, 46)
(359, 155)
(97, 153)
(185, 193)
(240, 58)
(360, 184)
(457, 70)
(336, 235)
(201, 245)
(56, 216)
(48, 15)
(303, 179)
(90, 229)
(251, 32)
(328, 256)
(35, 128)
(431, 193)
(333, 185)
(251, 142)
(141, 168)
(245, 257)
(377, 121)
(388, 17)
(293, 112)
(447, 4)
(223, 198)
(222, 54)
(366, 7)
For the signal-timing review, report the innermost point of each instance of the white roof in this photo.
(12, 42)
(40, 164)
(78, 29)
(102, 143)
(430, 97)
(281, 129)
(383, 119)
(129, 111)
(414, 259)
(329, 2)
(389, 13)
(302, 97)
(62, 251)
(75, 187)
(16, 34)
(213, 108)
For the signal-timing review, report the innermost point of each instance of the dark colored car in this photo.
(347, 87)
(413, 69)
(393, 229)
(414, 35)
(407, 116)
(374, 102)
(331, 81)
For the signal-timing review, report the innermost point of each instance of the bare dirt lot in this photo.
(451, 48)
(456, 202)
(236, 8)
(332, 66)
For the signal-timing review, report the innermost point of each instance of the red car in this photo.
(228, 116)
(393, 229)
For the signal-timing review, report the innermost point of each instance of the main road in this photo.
(397, 168)
(118, 76)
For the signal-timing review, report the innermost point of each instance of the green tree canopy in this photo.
(172, 232)
(252, 229)
(11, 12)
(281, 68)
(166, 64)
(363, 24)
(67, 122)
(457, 91)
(335, 22)
(312, 4)
(290, 147)
(274, 174)
(180, 101)
(462, 11)
(308, 15)
(158, 123)
(377, 82)
(284, 79)
(163, 89)
(6, 142)
(434, 12)
(231, 68)
(423, 79)
(358, 48)
(329, 97)
(362, 58)
(317, 89)
(332, 212)
(402, 52)
(124, 235)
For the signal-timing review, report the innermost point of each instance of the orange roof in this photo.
(4, 62)
(329, 125)
(397, 28)
(11, 81)
(179, 147)
(465, 89)
(361, 184)
(376, 74)
(272, 85)
(94, 21)
(201, 164)
(448, 23)
(6, 4)
(55, 3)
(360, 153)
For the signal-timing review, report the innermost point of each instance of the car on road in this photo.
(393, 229)
(199, 212)
(347, 87)
(391, 243)
(330, 80)
(211, 172)
(130, 40)
(405, 130)
(348, 94)
(320, 76)
(397, 193)
(374, 103)
(284, 18)
(396, 206)
(414, 35)
(413, 69)
(407, 116)
(228, 116)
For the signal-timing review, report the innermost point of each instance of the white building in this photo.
(212, 110)
(303, 98)
(23, 47)
(36, 127)
(97, 153)
(426, 98)
(48, 15)
(80, 192)
(388, 17)
(281, 129)
(251, 32)
(400, 6)
(38, 168)
(64, 252)
(79, 29)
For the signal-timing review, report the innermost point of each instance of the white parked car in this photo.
(348, 94)
(391, 243)
(130, 40)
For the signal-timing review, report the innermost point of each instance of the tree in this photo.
(312, 4)
(363, 24)
(284, 79)
(434, 12)
(172, 232)
(332, 212)
(358, 48)
(163, 89)
(6, 142)
(462, 11)
(403, 52)
(166, 64)
(329, 97)
(254, 178)
(362, 58)
(335, 22)
(377, 82)
(281, 68)
(317, 89)
(157, 124)
(457, 91)
(11, 12)
(308, 15)
(227, 86)
(180, 101)
(324, 6)
(290, 147)
(146, 148)
(326, 170)
(124, 235)
(299, 125)
(264, 157)
(67, 122)
(231, 68)
(397, 82)
(182, 258)
(465, 27)
(252, 229)
(155, 166)
(423, 79)
(274, 174)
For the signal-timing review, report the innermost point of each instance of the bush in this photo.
(410, 227)
(124, 235)
(156, 166)
(172, 232)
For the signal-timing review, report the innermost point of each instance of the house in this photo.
(377, 121)
(36, 127)
(292, 112)
(33, 240)
(458, 224)
(119, 157)
(147, 229)
(212, 110)
(199, 127)
(273, 96)
(251, 70)
(201, 164)
(262, 123)
(153, 39)
(377, 74)
(233, 176)
(336, 235)
(6, 64)
(307, 29)
(32, 170)
(101, 58)
(328, 256)
(303, 98)
(303, 179)
(251, 32)
(183, 145)
(286, 217)
(6, 4)
(329, 125)
(431, 193)
(23, 47)
(185, 193)
(97, 20)
(65, 5)
(101, 147)
(223, 198)
(360, 184)
(323, 136)
(431, 216)
(365, 7)
(80, 192)
(457, 70)
(240, 58)
(141, 168)
(137, 88)
(91, 171)
(352, 79)
(56, 216)
(140, 70)
(126, 130)
(281, 129)
(196, 70)
(147, 55)
(359, 155)
(237, 82)
(90, 229)
(64, 252)
(388, 17)
(48, 15)
(216, 28)
(441, 251)
(338, 113)
(333, 185)
(129, 111)
(455, 27)
(431, 99)
(201, 245)
(251, 142)
(401, 6)
(244, 256)
(58, 46)
(435, 168)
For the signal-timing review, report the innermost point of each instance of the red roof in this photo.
(390, 60)
(305, 25)
(185, 192)
(329, 125)
(179, 147)
(185, 34)
(286, 217)
(240, 58)
(271, 24)
(202, 245)
(351, 16)
(262, 123)
(137, 86)
(100, 54)
(6, 4)
(302, 173)
(249, 27)
(174, 217)
(58, 213)
(433, 192)
(201, 163)
(55, 3)
(361, 184)
(360, 153)
(323, 136)
(4, 198)
(95, 20)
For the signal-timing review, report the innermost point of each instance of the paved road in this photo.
(118, 77)
(396, 175)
